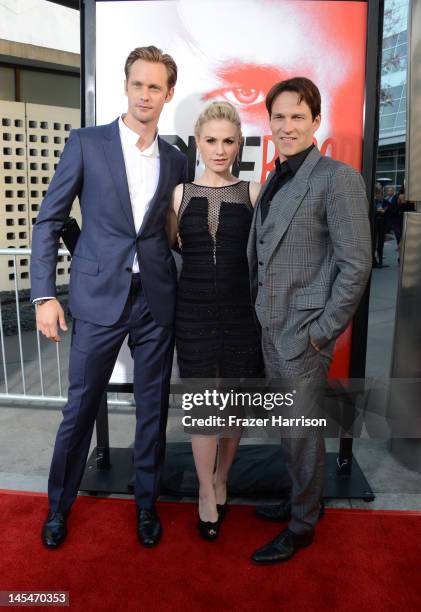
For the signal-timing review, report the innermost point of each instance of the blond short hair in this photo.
(218, 110)
(155, 55)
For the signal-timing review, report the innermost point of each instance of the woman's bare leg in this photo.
(204, 453)
(226, 452)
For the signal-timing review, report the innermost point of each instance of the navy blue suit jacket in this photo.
(92, 168)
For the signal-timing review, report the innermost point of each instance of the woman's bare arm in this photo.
(172, 224)
(254, 190)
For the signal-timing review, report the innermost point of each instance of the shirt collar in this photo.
(130, 138)
(292, 164)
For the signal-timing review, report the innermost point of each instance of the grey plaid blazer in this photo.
(311, 259)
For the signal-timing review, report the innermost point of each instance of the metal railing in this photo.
(25, 374)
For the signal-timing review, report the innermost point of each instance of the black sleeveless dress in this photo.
(217, 333)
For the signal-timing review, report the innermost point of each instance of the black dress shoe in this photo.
(149, 528)
(54, 530)
(280, 512)
(283, 547)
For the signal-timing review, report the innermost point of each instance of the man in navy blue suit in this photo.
(122, 282)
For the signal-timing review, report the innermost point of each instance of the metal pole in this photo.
(3, 352)
(15, 269)
(40, 360)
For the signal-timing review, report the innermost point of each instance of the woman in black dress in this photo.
(216, 331)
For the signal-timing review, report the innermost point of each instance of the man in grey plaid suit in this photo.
(309, 254)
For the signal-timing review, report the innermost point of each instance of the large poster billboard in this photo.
(236, 50)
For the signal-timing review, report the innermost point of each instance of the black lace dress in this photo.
(216, 330)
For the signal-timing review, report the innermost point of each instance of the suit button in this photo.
(260, 284)
(260, 263)
(267, 328)
(262, 241)
(128, 269)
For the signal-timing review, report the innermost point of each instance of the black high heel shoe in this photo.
(222, 511)
(208, 530)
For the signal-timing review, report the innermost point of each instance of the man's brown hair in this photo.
(305, 89)
(153, 54)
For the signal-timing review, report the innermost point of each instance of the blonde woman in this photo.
(216, 332)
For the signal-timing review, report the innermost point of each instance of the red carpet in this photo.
(362, 560)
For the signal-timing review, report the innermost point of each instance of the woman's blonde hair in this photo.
(218, 110)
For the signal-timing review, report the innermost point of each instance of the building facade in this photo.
(39, 105)
(391, 154)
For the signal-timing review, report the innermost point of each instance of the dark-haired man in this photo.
(122, 283)
(310, 258)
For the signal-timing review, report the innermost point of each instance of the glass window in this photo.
(400, 119)
(401, 50)
(391, 107)
(402, 106)
(386, 164)
(387, 122)
(391, 164)
(400, 178)
(396, 92)
(387, 54)
(390, 41)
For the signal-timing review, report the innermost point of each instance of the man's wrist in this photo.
(42, 301)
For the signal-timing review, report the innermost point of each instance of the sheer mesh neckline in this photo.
(237, 196)
(220, 187)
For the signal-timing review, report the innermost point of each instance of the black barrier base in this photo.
(118, 478)
(352, 484)
(115, 478)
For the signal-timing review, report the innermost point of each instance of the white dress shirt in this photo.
(142, 171)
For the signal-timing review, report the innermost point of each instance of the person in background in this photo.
(393, 214)
(379, 226)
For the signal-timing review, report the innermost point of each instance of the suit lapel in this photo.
(164, 161)
(115, 159)
(287, 201)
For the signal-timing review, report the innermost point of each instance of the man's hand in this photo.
(48, 315)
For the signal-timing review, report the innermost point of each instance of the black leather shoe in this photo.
(280, 512)
(149, 528)
(283, 547)
(54, 530)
